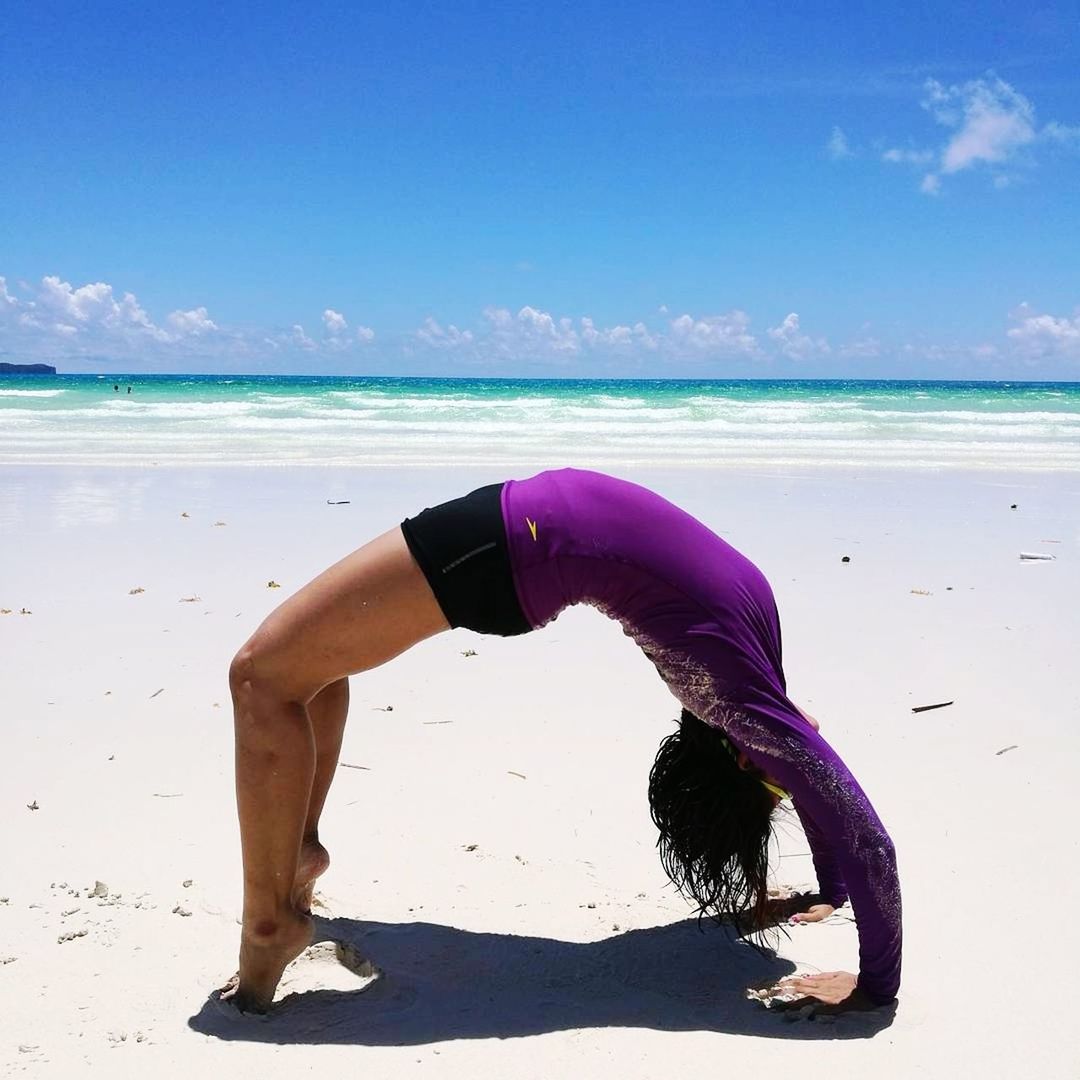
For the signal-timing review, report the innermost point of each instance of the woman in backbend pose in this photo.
(505, 560)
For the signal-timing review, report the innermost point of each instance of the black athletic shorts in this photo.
(461, 548)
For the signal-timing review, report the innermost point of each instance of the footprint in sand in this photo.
(329, 965)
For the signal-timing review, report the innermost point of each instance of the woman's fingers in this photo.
(831, 987)
(816, 913)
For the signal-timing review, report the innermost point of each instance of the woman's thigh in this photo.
(364, 610)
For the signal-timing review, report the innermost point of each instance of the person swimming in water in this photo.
(506, 559)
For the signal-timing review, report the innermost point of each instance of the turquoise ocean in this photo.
(174, 420)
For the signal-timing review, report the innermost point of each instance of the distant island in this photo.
(26, 369)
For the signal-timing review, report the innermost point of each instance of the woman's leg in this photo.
(327, 711)
(363, 611)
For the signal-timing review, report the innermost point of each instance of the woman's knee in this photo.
(263, 668)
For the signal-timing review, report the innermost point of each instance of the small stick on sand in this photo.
(156, 692)
(1006, 749)
(512, 773)
(346, 765)
(927, 708)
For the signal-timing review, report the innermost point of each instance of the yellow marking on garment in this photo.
(532, 526)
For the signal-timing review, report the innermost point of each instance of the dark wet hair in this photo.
(714, 822)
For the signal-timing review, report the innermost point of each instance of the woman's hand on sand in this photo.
(814, 913)
(837, 992)
(800, 908)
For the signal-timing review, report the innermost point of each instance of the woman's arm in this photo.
(831, 886)
(856, 849)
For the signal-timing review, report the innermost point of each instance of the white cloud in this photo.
(1045, 336)
(54, 320)
(1067, 134)
(298, 338)
(617, 337)
(530, 335)
(866, 348)
(909, 156)
(725, 335)
(992, 125)
(793, 343)
(532, 331)
(95, 307)
(334, 321)
(992, 119)
(837, 146)
(450, 337)
(195, 322)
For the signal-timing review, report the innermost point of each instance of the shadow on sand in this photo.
(440, 983)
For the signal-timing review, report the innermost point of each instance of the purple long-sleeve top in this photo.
(706, 617)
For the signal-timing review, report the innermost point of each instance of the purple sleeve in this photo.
(830, 878)
(856, 848)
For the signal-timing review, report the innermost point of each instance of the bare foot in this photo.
(314, 862)
(263, 958)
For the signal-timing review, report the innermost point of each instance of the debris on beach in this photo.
(71, 935)
(184, 514)
(218, 524)
(135, 592)
(168, 794)
(181, 911)
(382, 708)
(1037, 556)
(468, 652)
(346, 765)
(25, 611)
(1006, 749)
(5, 611)
(927, 708)
(100, 891)
(349, 957)
(1013, 506)
(338, 502)
(777, 994)
(190, 599)
(272, 585)
(845, 558)
(156, 692)
(471, 847)
(921, 592)
(187, 883)
(521, 775)
(33, 805)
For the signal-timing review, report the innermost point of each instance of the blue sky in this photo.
(577, 189)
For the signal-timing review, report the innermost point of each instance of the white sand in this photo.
(554, 947)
